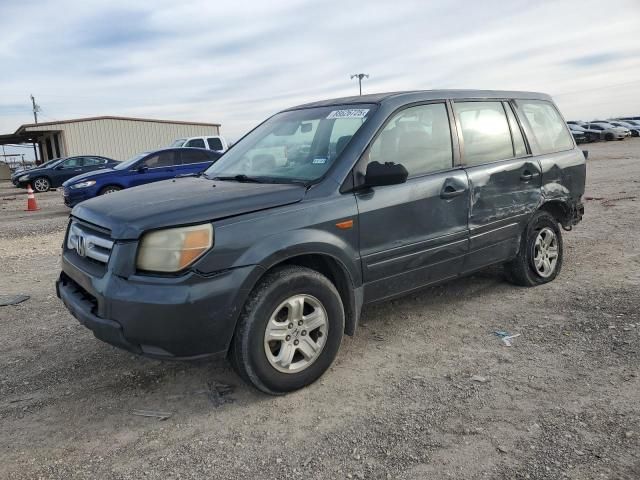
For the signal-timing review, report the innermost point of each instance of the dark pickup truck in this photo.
(269, 256)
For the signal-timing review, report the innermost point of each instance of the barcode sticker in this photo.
(348, 113)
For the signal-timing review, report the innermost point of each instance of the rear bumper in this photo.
(576, 214)
(162, 317)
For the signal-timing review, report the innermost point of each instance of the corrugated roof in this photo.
(26, 126)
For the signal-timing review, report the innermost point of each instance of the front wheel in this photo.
(539, 259)
(289, 332)
(41, 184)
(110, 189)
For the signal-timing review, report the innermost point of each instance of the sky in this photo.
(237, 62)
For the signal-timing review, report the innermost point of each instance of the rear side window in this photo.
(418, 138)
(215, 143)
(195, 143)
(194, 156)
(547, 125)
(485, 132)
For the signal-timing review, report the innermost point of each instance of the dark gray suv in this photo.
(269, 256)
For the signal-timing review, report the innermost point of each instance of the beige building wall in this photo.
(120, 139)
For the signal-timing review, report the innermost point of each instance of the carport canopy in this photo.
(24, 137)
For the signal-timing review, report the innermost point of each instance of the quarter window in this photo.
(485, 132)
(418, 138)
(547, 125)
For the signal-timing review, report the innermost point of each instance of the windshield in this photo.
(129, 163)
(294, 146)
(178, 143)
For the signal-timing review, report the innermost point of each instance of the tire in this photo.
(41, 184)
(109, 189)
(608, 137)
(529, 268)
(266, 315)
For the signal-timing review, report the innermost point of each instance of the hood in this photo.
(30, 171)
(89, 175)
(181, 201)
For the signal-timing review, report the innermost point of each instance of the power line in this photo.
(604, 87)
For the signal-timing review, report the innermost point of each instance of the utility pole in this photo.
(360, 76)
(36, 109)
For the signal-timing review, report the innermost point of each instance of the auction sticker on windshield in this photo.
(348, 113)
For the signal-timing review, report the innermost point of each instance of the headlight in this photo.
(88, 183)
(174, 249)
(24, 178)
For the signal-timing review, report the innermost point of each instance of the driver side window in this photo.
(75, 162)
(419, 138)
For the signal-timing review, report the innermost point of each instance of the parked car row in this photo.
(54, 173)
(88, 176)
(596, 130)
(144, 168)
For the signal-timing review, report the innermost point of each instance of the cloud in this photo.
(236, 62)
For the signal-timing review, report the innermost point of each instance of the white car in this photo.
(216, 143)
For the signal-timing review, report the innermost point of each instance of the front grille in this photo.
(89, 242)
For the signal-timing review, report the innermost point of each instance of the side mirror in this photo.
(388, 173)
(60, 167)
(142, 169)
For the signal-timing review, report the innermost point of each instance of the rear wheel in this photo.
(41, 184)
(289, 332)
(110, 189)
(539, 259)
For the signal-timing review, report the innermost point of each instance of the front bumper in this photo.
(189, 316)
(72, 197)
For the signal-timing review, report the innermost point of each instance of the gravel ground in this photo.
(424, 390)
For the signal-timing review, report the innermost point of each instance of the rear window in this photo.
(215, 143)
(547, 125)
(195, 143)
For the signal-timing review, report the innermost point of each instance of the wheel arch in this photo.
(47, 177)
(336, 271)
(560, 209)
(110, 184)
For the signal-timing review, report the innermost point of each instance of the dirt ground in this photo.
(401, 401)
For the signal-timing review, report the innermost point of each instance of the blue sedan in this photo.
(144, 168)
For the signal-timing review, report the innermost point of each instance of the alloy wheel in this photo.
(41, 185)
(296, 333)
(545, 252)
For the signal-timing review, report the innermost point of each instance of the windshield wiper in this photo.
(182, 175)
(239, 178)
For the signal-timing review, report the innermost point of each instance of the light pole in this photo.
(360, 76)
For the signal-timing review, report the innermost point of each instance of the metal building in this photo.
(115, 137)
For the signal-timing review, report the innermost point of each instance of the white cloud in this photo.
(237, 62)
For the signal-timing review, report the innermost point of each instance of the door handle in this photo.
(450, 191)
(526, 176)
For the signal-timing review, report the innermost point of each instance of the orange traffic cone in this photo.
(32, 205)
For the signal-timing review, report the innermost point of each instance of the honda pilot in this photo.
(269, 256)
